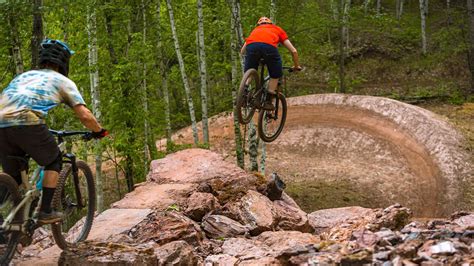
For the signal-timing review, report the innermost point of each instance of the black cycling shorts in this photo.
(258, 50)
(36, 141)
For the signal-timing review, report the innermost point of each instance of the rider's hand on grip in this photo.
(96, 135)
(297, 68)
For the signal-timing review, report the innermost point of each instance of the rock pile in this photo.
(220, 215)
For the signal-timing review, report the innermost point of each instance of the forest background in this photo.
(146, 71)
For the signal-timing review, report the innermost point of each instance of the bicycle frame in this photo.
(32, 193)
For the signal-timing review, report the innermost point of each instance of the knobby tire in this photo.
(12, 238)
(61, 197)
(266, 115)
(244, 106)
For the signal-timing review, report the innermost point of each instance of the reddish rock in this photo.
(324, 220)
(291, 218)
(245, 249)
(261, 261)
(394, 217)
(164, 227)
(97, 253)
(281, 241)
(199, 204)
(220, 260)
(176, 253)
(253, 210)
(218, 226)
(466, 221)
(155, 196)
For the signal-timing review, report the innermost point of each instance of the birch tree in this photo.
(345, 22)
(253, 138)
(423, 14)
(341, 46)
(239, 153)
(15, 40)
(94, 84)
(399, 9)
(379, 6)
(470, 9)
(164, 76)
(183, 72)
(37, 35)
(202, 72)
(146, 130)
(273, 11)
(366, 5)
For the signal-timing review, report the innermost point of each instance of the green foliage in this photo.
(382, 58)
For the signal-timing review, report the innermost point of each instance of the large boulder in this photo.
(218, 226)
(199, 204)
(253, 210)
(324, 220)
(164, 227)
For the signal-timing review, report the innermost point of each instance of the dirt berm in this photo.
(382, 150)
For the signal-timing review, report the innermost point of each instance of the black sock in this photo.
(46, 200)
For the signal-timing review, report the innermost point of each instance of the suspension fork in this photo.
(75, 177)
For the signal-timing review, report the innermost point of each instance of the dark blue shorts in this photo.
(256, 51)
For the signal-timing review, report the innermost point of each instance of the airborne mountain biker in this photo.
(24, 105)
(262, 43)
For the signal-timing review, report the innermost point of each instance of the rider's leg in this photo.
(50, 180)
(252, 58)
(40, 144)
(272, 85)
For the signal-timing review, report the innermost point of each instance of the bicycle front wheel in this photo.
(271, 123)
(247, 97)
(9, 198)
(75, 197)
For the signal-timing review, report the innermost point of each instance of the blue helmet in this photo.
(57, 53)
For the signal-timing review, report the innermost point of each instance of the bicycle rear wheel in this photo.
(271, 123)
(245, 103)
(75, 197)
(9, 198)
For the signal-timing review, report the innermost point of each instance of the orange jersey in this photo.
(267, 33)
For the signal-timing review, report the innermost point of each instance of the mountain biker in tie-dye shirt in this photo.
(28, 98)
(24, 105)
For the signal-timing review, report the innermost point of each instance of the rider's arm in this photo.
(243, 50)
(87, 118)
(294, 53)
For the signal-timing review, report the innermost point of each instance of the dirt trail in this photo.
(384, 150)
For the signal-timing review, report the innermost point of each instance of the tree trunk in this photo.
(470, 9)
(65, 21)
(37, 35)
(448, 12)
(400, 10)
(203, 72)
(366, 5)
(146, 147)
(379, 6)
(253, 138)
(94, 83)
(239, 153)
(164, 77)
(253, 146)
(16, 42)
(423, 13)
(345, 18)
(341, 47)
(183, 73)
(273, 11)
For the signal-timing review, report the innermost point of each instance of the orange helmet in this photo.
(264, 20)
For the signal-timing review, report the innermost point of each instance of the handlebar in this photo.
(291, 69)
(86, 135)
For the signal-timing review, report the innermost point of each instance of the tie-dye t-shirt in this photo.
(29, 97)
